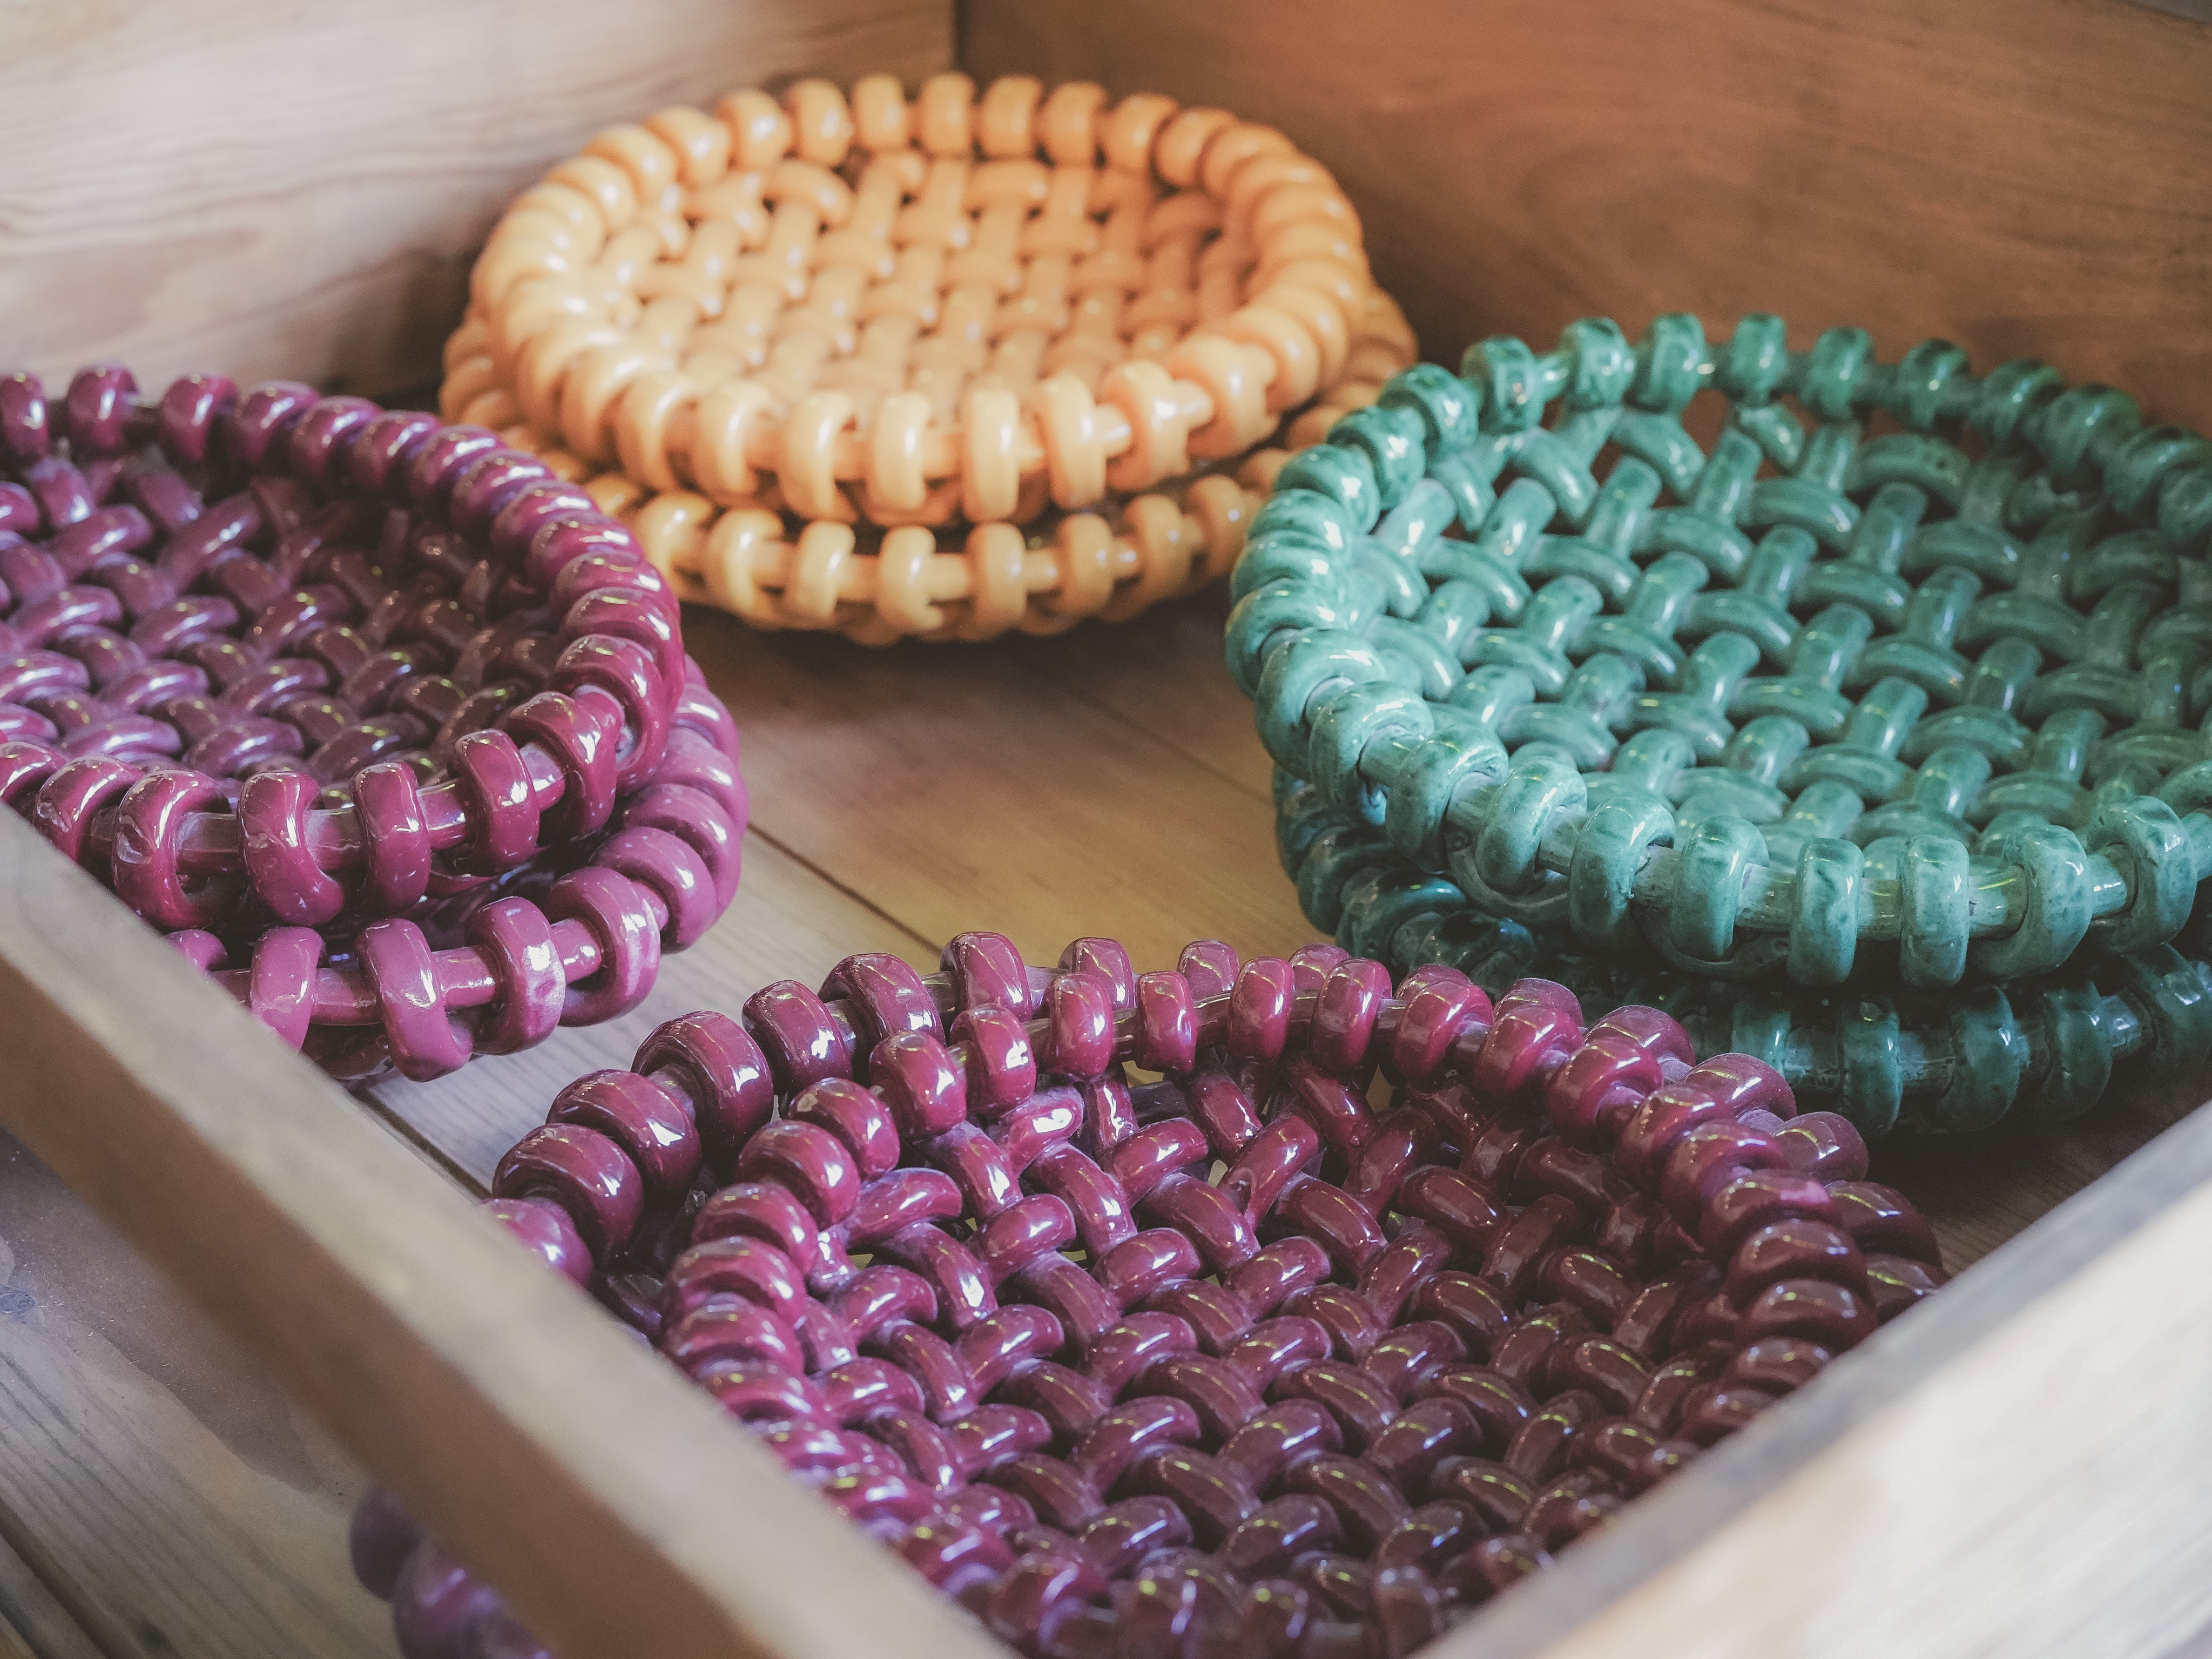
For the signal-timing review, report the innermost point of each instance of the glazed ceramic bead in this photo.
(380, 1540)
(1010, 1319)
(587, 1175)
(438, 1604)
(1551, 684)
(545, 1227)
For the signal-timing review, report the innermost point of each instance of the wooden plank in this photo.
(2024, 179)
(150, 1469)
(602, 1491)
(299, 189)
(956, 789)
(32, 1624)
(2015, 1468)
(1164, 678)
(786, 922)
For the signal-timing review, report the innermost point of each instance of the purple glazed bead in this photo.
(529, 510)
(381, 1539)
(97, 411)
(26, 432)
(191, 410)
(261, 419)
(544, 1228)
(436, 466)
(584, 1172)
(434, 1603)
(488, 484)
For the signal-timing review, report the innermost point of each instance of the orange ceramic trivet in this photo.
(869, 364)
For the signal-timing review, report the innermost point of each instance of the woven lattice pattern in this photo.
(1817, 703)
(323, 688)
(1232, 1362)
(828, 337)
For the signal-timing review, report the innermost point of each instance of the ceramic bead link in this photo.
(1381, 1365)
(1000, 580)
(277, 658)
(423, 678)
(589, 951)
(2041, 1050)
(1544, 683)
(901, 315)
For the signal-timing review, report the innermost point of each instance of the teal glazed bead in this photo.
(1617, 839)
(1770, 728)
(1824, 936)
(1709, 867)
(1931, 892)
(1873, 1084)
(2050, 887)
(1992, 1054)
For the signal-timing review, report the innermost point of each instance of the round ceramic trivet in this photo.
(1861, 730)
(943, 367)
(387, 727)
(1137, 1313)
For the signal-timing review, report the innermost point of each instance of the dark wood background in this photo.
(2024, 178)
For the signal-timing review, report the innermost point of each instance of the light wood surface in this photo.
(2026, 177)
(33, 1625)
(232, 1538)
(299, 189)
(600, 1489)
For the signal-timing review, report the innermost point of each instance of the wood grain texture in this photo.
(1007, 786)
(598, 1488)
(1166, 681)
(33, 1625)
(154, 1474)
(2024, 179)
(298, 189)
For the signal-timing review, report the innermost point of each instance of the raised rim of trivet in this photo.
(185, 763)
(631, 311)
(1556, 1267)
(2038, 1051)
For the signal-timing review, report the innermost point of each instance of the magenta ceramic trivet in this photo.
(383, 724)
(1236, 1362)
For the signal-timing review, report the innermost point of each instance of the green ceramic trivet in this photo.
(1862, 735)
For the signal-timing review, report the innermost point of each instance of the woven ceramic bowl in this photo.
(371, 708)
(1229, 1362)
(1878, 714)
(946, 367)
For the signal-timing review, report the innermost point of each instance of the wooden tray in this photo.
(2014, 1463)
(2015, 1468)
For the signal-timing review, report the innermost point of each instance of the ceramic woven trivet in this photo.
(387, 727)
(1864, 734)
(1348, 1310)
(945, 366)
